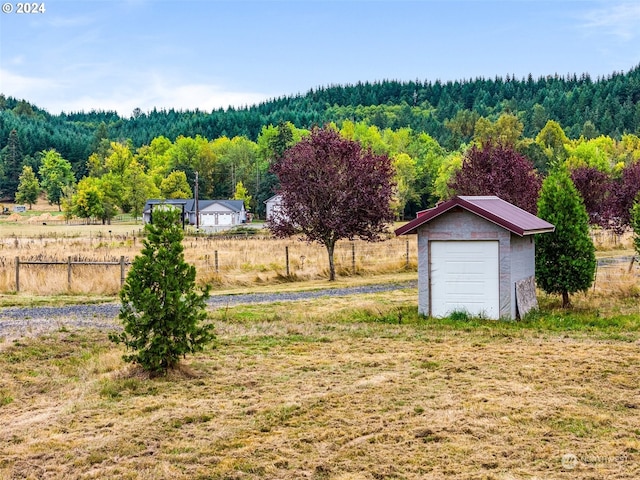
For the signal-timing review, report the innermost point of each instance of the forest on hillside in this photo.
(425, 127)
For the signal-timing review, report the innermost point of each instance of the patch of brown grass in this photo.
(311, 390)
(220, 261)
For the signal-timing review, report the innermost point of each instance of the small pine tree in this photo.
(565, 259)
(161, 309)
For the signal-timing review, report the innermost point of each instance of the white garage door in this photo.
(465, 277)
(207, 219)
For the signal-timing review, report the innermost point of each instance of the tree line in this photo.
(120, 177)
(112, 164)
(447, 111)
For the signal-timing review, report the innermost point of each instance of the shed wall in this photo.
(460, 224)
(523, 263)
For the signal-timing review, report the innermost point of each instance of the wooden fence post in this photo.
(407, 254)
(17, 274)
(353, 257)
(216, 259)
(286, 256)
(69, 272)
(122, 276)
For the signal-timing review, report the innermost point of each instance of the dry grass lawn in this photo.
(333, 389)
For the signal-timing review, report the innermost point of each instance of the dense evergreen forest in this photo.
(420, 120)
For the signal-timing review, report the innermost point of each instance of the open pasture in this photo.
(240, 262)
(337, 388)
(243, 260)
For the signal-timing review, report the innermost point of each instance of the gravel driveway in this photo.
(17, 322)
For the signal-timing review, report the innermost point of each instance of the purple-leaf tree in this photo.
(623, 192)
(594, 186)
(332, 188)
(496, 169)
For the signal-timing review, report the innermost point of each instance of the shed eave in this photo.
(540, 230)
(488, 214)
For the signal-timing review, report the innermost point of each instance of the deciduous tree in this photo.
(28, 187)
(139, 187)
(635, 224)
(623, 192)
(332, 189)
(405, 179)
(175, 185)
(496, 169)
(241, 193)
(55, 174)
(553, 141)
(594, 186)
(88, 199)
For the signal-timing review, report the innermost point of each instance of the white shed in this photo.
(472, 251)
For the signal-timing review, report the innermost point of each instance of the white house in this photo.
(473, 252)
(273, 204)
(213, 215)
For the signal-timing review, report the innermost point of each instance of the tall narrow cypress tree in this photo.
(161, 310)
(565, 259)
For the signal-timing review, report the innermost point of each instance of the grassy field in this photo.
(336, 389)
(241, 261)
(246, 261)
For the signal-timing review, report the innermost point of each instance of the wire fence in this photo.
(617, 276)
(100, 264)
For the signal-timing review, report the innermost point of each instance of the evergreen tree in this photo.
(28, 187)
(565, 259)
(161, 310)
(12, 159)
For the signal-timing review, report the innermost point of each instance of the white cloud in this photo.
(88, 92)
(23, 87)
(621, 20)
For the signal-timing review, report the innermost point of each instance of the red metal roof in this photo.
(491, 208)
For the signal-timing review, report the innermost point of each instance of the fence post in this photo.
(407, 254)
(17, 274)
(69, 272)
(216, 259)
(286, 256)
(121, 270)
(353, 257)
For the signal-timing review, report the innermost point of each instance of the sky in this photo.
(70, 55)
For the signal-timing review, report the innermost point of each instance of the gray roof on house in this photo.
(273, 197)
(189, 204)
(491, 208)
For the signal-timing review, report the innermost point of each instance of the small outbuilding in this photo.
(472, 253)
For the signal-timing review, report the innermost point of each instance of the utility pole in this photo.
(195, 194)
